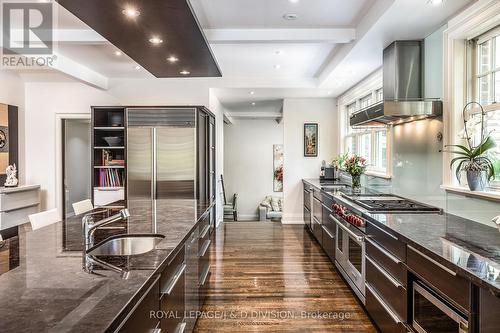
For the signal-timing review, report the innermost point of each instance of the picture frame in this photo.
(278, 161)
(311, 139)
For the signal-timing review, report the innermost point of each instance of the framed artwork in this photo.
(278, 168)
(311, 140)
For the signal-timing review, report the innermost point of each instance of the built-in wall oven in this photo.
(433, 314)
(350, 249)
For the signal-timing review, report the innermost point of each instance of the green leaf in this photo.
(484, 146)
(456, 159)
(465, 149)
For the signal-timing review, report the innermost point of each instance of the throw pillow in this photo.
(266, 202)
(275, 204)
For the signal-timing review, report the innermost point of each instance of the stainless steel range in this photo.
(347, 214)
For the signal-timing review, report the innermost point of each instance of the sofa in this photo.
(271, 208)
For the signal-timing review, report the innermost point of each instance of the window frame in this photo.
(473, 62)
(356, 134)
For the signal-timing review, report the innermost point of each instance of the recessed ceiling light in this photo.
(131, 12)
(279, 52)
(137, 67)
(172, 59)
(277, 66)
(293, 1)
(329, 93)
(252, 92)
(155, 40)
(253, 103)
(435, 2)
(118, 53)
(290, 16)
(184, 72)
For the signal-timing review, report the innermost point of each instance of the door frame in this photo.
(60, 117)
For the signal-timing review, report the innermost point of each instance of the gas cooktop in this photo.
(390, 203)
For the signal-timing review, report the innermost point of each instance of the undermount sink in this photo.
(126, 245)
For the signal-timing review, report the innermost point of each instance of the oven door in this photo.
(350, 254)
(431, 314)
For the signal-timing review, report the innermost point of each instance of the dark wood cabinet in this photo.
(391, 264)
(455, 288)
(140, 320)
(387, 240)
(489, 312)
(385, 319)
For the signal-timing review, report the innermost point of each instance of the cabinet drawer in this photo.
(19, 199)
(17, 217)
(173, 303)
(140, 320)
(317, 194)
(443, 278)
(328, 242)
(204, 235)
(317, 230)
(390, 263)
(317, 209)
(169, 273)
(307, 217)
(387, 240)
(327, 201)
(385, 319)
(104, 197)
(204, 285)
(307, 199)
(389, 289)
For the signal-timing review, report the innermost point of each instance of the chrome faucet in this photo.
(89, 226)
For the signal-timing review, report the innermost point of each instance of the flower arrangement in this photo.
(474, 160)
(355, 166)
(339, 161)
(278, 173)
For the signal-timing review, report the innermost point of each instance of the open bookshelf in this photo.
(109, 156)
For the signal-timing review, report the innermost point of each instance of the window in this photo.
(370, 142)
(486, 90)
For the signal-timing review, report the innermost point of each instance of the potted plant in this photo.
(355, 166)
(474, 160)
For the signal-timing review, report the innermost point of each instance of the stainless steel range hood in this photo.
(404, 101)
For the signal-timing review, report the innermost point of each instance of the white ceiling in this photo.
(330, 47)
(269, 13)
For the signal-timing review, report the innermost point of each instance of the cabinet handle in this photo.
(205, 248)
(382, 303)
(204, 232)
(175, 280)
(327, 232)
(385, 232)
(385, 274)
(444, 268)
(203, 280)
(387, 254)
(181, 328)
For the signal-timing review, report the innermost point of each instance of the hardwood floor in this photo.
(269, 277)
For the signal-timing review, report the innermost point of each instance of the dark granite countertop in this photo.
(469, 248)
(49, 291)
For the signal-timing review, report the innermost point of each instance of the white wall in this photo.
(218, 109)
(12, 92)
(45, 101)
(248, 164)
(296, 112)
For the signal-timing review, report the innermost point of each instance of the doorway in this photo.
(76, 163)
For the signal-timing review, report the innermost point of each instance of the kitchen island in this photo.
(49, 291)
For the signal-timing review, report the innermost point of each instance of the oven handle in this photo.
(394, 317)
(464, 327)
(359, 239)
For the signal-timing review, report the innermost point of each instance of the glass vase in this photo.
(356, 184)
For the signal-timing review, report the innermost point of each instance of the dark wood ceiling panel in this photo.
(171, 20)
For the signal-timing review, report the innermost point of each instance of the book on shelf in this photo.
(108, 159)
(110, 178)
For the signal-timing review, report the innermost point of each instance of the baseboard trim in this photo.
(292, 222)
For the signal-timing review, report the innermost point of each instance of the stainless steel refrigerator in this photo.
(161, 162)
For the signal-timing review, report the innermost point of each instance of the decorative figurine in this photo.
(11, 180)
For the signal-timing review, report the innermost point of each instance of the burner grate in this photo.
(394, 205)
